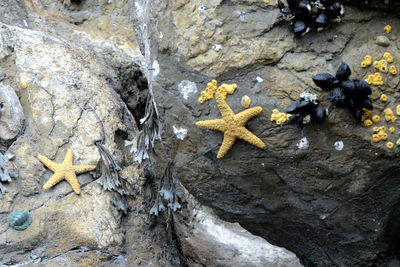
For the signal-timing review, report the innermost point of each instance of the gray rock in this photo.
(382, 41)
(11, 115)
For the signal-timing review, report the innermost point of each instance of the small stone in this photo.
(246, 101)
(382, 41)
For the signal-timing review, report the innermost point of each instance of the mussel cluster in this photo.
(345, 92)
(304, 14)
(307, 108)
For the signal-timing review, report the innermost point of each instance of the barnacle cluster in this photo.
(167, 191)
(375, 79)
(345, 92)
(279, 117)
(211, 88)
(388, 28)
(367, 61)
(304, 14)
(307, 108)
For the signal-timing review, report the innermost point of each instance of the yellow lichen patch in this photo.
(245, 101)
(279, 117)
(394, 118)
(211, 88)
(23, 84)
(391, 129)
(375, 129)
(388, 28)
(384, 98)
(398, 142)
(367, 61)
(376, 118)
(388, 57)
(376, 138)
(266, 1)
(393, 70)
(382, 128)
(389, 145)
(388, 114)
(368, 123)
(375, 79)
(208, 93)
(398, 110)
(381, 65)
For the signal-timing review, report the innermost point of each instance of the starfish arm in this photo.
(58, 176)
(216, 125)
(249, 137)
(242, 117)
(48, 163)
(223, 107)
(73, 181)
(83, 168)
(226, 145)
(68, 157)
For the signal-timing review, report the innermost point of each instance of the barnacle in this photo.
(393, 70)
(388, 57)
(388, 28)
(366, 114)
(368, 122)
(398, 110)
(376, 118)
(398, 142)
(384, 98)
(375, 79)
(274, 116)
(389, 145)
(391, 129)
(367, 61)
(394, 118)
(376, 138)
(383, 68)
(375, 129)
(279, 117)
(382, 128)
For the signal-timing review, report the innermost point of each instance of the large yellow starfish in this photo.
(65, 170)
(232, 125)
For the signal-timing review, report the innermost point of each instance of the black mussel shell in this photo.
(362, 87)
(297, 118)
(301, 106)
(322, 20)
(281, 5)
(319, 115)
(337, 97)
(293, 4)
(357, 113)
(348, 87)
(343, 72)
(299, 27)
(366, 103)
(326, 81)
(333, 11)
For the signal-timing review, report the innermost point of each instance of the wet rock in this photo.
(11, 115)
(382, 41)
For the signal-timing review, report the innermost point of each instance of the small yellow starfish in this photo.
(232, 125)
(65, 170)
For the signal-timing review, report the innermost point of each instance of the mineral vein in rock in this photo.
(232, 125)
(65, 170)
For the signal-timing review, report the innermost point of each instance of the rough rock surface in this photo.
(330, 206)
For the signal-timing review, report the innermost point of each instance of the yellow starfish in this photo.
(232, 125)
(65, 170)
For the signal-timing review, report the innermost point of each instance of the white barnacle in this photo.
(303, 143)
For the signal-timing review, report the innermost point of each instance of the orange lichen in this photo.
(388, 28)
(23, 84)
(384, 98)
(389, 145)
(393, 70)
(376, 118)
(391, 129)
(376, 138)
(211, 88)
